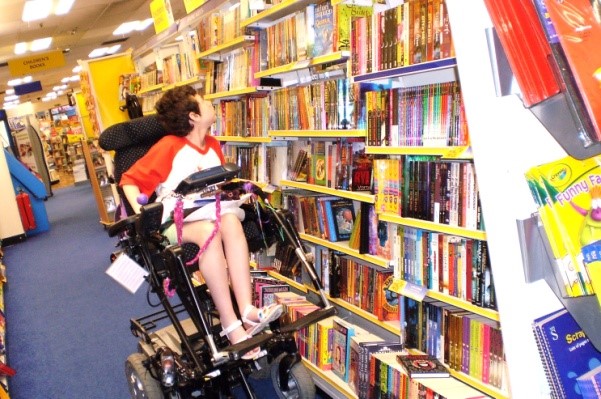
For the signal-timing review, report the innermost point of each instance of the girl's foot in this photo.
(235, 333)
(256, 320)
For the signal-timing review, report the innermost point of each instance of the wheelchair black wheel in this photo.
(142, 385)
(300, 383)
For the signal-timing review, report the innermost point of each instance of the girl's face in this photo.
(207, 111)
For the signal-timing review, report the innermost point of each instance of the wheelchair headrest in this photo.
(142, 131)
(130, 140)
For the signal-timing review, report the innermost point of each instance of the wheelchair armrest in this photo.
(207, 177)
(121, 225)
(149, 219)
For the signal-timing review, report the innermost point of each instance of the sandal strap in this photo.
(226, 331)
(245, 314)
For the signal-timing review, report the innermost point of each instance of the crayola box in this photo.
(568, 194)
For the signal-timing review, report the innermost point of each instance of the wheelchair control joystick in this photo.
(142, 199)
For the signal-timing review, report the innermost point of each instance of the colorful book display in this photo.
(567, 192)
(566, 352)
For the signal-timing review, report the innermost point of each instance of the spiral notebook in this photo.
(566, 352)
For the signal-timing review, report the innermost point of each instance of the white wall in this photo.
(507, 140)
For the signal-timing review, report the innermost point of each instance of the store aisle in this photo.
(67, 321)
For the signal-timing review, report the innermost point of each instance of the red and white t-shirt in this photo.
(167, 163)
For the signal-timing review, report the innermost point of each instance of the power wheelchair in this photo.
(181, 353)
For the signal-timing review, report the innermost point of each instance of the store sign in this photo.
(36, 63)
(192, 5)
(162, 15)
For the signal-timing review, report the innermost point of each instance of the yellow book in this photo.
(324, 347)
(568, 192)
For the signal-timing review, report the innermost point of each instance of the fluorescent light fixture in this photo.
(21, 48)
(77, 69)
(11, 98)
(36, 9)
(63, 7)
(19, 81)
(9, 91)
(75, 78)
(40, 44)
(128, 27)
(102, 51)
(145, 24)
(125, 28)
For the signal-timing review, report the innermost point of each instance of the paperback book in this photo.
(423, 366)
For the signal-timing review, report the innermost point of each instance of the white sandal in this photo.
(266, 314)
(250, 355)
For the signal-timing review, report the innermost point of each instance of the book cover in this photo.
(319, 169)
(566, 191)
(578, 26)
(565, 350)
(267, 293)
(344, 217)
(526, 47)
(423, 366)
(323, 28)
(329, 218)
(343, 331)
(590, 383)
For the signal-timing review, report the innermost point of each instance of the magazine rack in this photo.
(539, 264)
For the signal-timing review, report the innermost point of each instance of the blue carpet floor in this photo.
(67, 321)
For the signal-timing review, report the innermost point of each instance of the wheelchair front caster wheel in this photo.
(142, 385)
(300, 384)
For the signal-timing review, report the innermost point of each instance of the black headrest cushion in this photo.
(139, 131)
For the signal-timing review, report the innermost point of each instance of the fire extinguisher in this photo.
(25, 210)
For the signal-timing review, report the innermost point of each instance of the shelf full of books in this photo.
(335, 117)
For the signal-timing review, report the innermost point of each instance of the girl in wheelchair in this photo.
(224, 263)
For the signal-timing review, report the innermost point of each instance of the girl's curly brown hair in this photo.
(174, 107)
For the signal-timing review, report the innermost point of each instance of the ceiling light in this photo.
(128, 27)
(40, 44)
(125, 28)
(97, 52)
(145, 24)
(102, 51)
(18, 81)
(20, 48)
(77, 69)
(9, 91)
(36, 9)
(113, 49)
(63, 7)
(11, 98)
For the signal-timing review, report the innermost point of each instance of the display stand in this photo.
(539, 264)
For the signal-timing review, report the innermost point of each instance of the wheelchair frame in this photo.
(188, 357)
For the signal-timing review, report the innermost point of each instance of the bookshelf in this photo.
(492, 136)
(104, 192)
